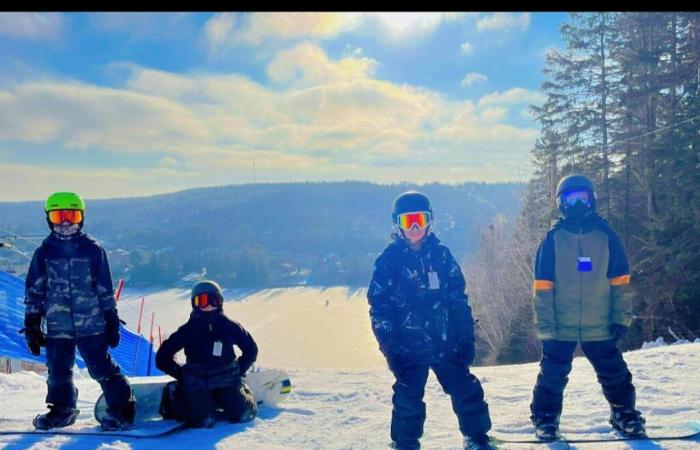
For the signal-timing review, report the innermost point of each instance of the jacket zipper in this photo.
(580, 288)
(70, 297)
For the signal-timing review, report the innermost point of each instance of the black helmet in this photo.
(207, 287)
(410, 201)
(575, 182)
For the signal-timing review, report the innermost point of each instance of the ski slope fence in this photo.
(134, 354)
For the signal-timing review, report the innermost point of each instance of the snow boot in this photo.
(628, 421)
(397, 446)
(207, 421)
(57, 417)
(122, 419)
(478, 442)
(546, 426)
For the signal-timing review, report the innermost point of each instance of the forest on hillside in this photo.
(261, 235)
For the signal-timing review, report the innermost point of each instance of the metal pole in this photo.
(120, 286)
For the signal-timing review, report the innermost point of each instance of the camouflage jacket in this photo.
(418, 306)
(70, 284)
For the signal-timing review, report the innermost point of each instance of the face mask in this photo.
(66, 231)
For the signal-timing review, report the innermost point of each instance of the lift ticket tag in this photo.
(218, 346)
(433, 280)
(584, 264)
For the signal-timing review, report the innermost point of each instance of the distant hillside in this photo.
(264, 234)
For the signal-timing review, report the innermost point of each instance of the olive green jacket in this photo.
(582, 282)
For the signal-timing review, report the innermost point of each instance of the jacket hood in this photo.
(586, 225)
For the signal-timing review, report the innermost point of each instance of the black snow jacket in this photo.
(418, 306)
(208, 339)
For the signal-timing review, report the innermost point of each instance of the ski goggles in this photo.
(571, 197)
(71, 216)
(208, 299)
(407, 220)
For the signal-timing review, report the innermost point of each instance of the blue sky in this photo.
(122, 104)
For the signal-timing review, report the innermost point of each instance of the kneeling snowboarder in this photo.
(211, 376)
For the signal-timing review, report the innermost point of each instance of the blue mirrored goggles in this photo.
(570, 198)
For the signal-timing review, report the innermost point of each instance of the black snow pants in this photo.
(408, 414)
(60, 357)
(607, 361)
(236, 401)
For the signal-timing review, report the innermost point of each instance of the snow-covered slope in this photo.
(295, 328)
(341, 396)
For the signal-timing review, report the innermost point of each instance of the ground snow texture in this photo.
(341, 396)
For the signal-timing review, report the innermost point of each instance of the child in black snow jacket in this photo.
(422, 320)
(211, 376)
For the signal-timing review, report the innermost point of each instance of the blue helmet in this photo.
(410, 201)
(572, 184)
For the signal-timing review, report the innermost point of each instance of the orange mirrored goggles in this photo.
(71, 216)
(206, 299)
(407, 220)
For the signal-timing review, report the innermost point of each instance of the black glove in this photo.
(112, 327)
(177, 373)
(618, 331)
(32, 333)
(466, 353)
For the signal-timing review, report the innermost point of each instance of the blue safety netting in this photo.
(135, 354)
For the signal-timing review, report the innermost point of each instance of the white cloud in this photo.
(309, 65)
(494, 114)
(405, 24)
(502, 21)
(26, 182)
(84, 116)
(512, 96)
(256, 29)
(31, 26)
(466, 48)
(331, 121)
(472, 78)
(218, 29)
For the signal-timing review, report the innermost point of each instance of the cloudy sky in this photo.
(116, 104)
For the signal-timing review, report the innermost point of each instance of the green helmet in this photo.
(64, 200)
(206, 286)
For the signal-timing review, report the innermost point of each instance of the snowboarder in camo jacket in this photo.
(69, 284)
(582, 294)
(421, 318)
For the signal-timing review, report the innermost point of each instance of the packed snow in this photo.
(341, 397)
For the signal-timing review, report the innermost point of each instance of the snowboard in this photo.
(88, 427)
(686, 431)
(269, 387)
